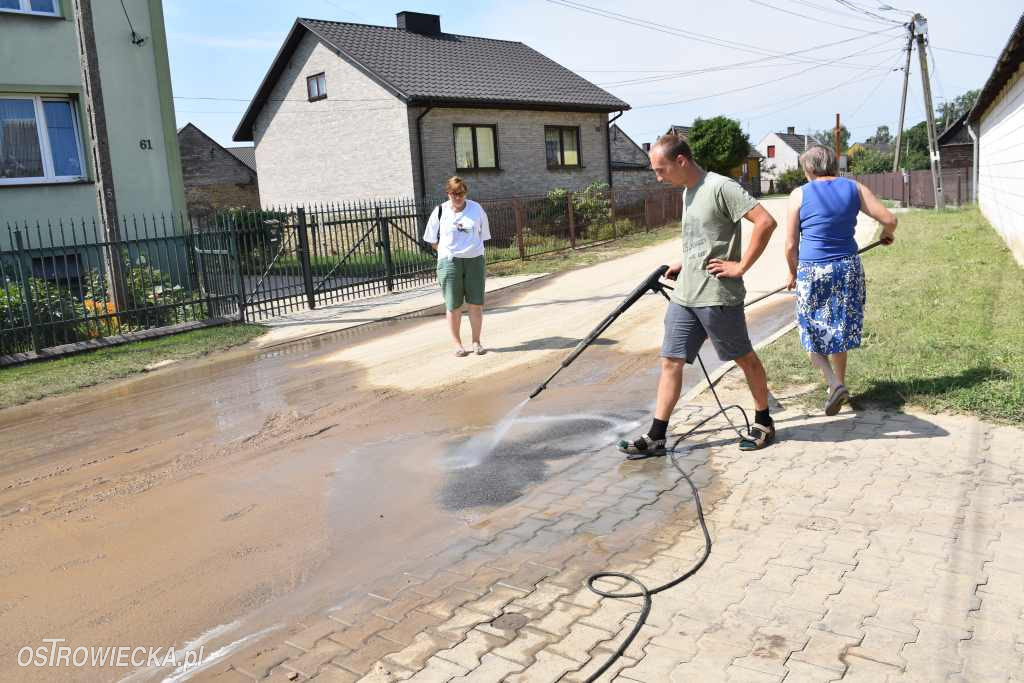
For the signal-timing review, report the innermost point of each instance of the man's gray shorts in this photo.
(686, 329)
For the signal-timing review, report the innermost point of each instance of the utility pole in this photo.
(903, 99)
(921, 28)
(106, 199)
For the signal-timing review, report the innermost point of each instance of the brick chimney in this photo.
(647, 146)
(417, 22)
(791, 130)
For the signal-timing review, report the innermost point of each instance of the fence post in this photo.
(236, 258)
(307, 271)
(25, 268)
(384, 234)
(572, 220)
(611, 212)
(518, 206)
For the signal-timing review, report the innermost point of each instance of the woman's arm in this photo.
(796, 198)
(870, 205)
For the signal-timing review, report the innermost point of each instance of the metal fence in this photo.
(69, 281)
(914, 188)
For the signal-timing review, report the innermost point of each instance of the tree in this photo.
(870, 161)
(952, 110)
(881, 136)
(718, 144)
(828, 138)
(915, 156)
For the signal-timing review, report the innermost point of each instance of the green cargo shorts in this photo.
(461, 280)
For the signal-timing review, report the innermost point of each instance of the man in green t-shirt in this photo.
(708, 298)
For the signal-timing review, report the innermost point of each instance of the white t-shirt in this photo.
(459, 234)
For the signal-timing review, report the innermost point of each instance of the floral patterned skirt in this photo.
(830, 304)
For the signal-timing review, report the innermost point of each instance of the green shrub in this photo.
(52, 306)
(150, 298)
(790, 180)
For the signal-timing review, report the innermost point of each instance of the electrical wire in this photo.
(896, 67)
(798, 14)
(678, 32)
(964, 52)
(755, 85)
(857, 8)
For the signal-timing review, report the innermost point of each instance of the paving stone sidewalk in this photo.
(872, 546)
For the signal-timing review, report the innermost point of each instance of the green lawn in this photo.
(22, 383)
(568, 259)
(944, 324)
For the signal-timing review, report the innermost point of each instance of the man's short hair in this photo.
(672, 145)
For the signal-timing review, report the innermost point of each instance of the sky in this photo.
(645, 53)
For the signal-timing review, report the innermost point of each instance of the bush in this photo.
(150, 298)
(870, 161)
(593, 204)
(260, 233)
(52, 306)
(790, 180)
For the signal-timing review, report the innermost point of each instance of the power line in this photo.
(757, 85)
(837, 12)
(805, 97)
(857, 8)
(964, 52)
(875, 89)
(682, 33)
(798, 14)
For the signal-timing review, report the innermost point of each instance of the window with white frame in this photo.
(50, 8)
(39, 140)
(316, 86)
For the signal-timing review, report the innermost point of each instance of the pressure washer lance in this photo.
(654, 284)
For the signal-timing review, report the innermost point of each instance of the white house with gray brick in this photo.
(352, 111)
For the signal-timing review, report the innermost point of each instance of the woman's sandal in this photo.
(758, 437)
(461, 353)
(836, 398)
(479, 349)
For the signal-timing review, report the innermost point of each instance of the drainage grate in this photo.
(510, 622)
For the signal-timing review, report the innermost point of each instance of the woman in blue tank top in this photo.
(824, 265)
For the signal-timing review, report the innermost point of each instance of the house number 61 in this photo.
(145, 143)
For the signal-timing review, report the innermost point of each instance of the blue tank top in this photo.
(828, 215)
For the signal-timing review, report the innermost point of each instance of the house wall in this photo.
(636, 179)
(785, 157)
(1001, 164)
(214, 178)
(957, 155)
(354, 144)
(39, 55)
(522, 162)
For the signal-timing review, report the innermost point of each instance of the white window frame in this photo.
(43, 131)
(26, 8)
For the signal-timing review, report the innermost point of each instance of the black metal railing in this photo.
(68, 281)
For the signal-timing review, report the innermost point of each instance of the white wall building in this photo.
(782, 151)
(997, 123)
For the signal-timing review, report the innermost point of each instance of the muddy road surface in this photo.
(212, 500)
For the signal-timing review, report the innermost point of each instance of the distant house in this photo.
(748, 173)
(46, 167)
(631, 167)
(956, 149)
(216, 177)
(351, 111)
(997, 121)
(782, 151)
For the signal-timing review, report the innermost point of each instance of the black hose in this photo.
(652, 283)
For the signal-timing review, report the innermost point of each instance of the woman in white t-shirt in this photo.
(457, 230)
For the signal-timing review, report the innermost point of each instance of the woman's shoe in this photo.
(461, 353)
(836, 398)
(479, 349)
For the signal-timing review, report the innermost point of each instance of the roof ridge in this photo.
(395, 28)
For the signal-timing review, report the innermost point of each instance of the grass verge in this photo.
(23, 383)
(569, 258)
(944, 323)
